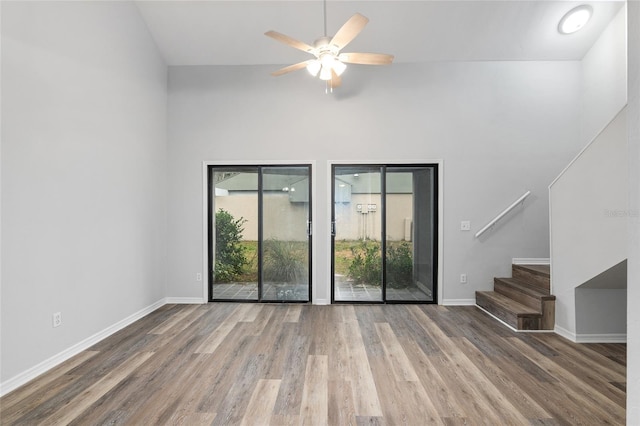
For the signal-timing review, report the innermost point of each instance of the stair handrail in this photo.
(504, 212)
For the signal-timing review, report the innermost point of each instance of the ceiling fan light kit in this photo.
(329, 63)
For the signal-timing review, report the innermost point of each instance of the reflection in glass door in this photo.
(286, 233)
(259, 233)
(384, 233)
(357, 230)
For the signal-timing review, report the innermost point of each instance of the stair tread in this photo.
(528, 289)
(509, 304)
(541, 270)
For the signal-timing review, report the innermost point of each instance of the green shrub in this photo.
(366, 266)
(284, 262)
(399, 265)
(230, 256)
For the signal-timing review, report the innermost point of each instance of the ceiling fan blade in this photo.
(366, 58)
(336, 80)
(291, 68)
(349, 31)
(289, 41)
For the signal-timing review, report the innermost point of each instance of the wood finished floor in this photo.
(252, 364)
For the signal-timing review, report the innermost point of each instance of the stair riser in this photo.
(528, 324)
(548, 321)
(532, 279)
(518, 296)
(508, 317)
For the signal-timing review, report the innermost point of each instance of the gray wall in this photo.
(500, 127)
(83, 174)
(579, 255)
(633, 263)
(589, 229)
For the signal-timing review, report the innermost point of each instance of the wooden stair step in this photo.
(534, 275)
(516, 314)
(522, 292)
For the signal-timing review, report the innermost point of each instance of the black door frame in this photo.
(383, 195)
(211, 236)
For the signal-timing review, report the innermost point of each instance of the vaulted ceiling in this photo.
(213, 32)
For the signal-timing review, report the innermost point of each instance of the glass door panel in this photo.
(285, 234)
(384, 240)
(235, 233)
(409, 225)
(259, 233)
(356, 231)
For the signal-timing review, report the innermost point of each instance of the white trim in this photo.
(565, 333)
(510, 327)
(458, 302)
(46, 365)
(322, 302)
(185, 301)
(530, 261)
(602, 338)
(440, 163)
(591, 338)
(205, 214)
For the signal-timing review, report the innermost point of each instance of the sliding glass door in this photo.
(384, 223)
(259, 233)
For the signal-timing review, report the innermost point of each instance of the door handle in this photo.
(333, 228)
(309, 231)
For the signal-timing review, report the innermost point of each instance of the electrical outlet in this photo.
(465, 225)
(57, 319)
(198, 276)
(463, 278)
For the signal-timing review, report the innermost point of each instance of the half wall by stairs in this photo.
(523, 301)
(588, 215)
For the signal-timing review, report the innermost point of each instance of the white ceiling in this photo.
(214, 32)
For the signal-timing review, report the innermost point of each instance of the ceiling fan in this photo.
(329, 63)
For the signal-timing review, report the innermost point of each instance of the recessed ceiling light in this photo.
(575, 19)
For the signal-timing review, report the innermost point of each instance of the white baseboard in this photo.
(33, 372)
(591, 338)
(531, 261)
(458, 302)
(184, 301)
(322, 302)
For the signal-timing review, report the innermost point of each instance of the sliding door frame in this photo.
(439, 163)
(206, 255)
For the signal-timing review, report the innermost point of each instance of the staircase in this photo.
(524, 301)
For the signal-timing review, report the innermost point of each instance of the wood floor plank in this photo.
(606, 367)
(402, 402)
(396, 359)
(365, 394)
(293, 313)
(438, 390)
(173, 320)
(290, 395)
(341, 405)
(314, 408)
(489, 366)
(339, 359)
(592, 398)
(44, 386)
(83, 401)
(211, 343)
(279, 364)
(261, 403)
